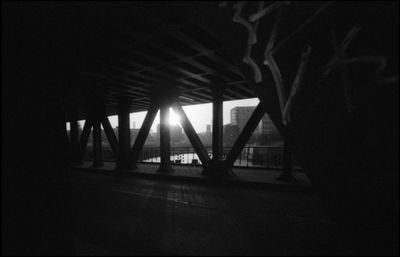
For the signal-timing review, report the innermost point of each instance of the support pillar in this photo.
(74, 141)
(84, 138)
(287, 173)
(165, 140)
(217, 167)
(97, 147)
(124, 140)
(74, 132)
(217, 129)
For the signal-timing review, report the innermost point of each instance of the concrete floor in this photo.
(137, 216)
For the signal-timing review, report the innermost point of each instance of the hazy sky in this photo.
(199, 115)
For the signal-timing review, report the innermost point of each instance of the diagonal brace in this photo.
(245, 135)
(192, 135)
(112, 139)
(85, 136)
(143, 133)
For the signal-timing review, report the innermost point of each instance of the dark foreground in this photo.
(102, 214)
(131, 216)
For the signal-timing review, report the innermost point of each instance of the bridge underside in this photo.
(326, 73)
(149, 57)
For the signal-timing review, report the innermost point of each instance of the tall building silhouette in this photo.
(241, 114)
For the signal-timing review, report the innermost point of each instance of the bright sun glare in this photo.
(174, 118)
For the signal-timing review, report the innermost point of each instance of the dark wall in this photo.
(353, 157)
(35, 203)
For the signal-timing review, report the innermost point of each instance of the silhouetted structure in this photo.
(326, 73)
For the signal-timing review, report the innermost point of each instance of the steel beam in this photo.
(265, 91)
(74, 140)
(191, 134)
(245, 135)
(165, 140)
(112, 139)
(85, 137)
(217, 129)
(142, 135)
(287, 173)
(124, 137)
(74, 131)
(97, 147)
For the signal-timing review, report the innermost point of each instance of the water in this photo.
(183, 158)
(192, 158)
(268, 157)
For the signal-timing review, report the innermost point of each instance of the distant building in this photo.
(208, 129)
(231, 132)
(176, 134)
(240, 115)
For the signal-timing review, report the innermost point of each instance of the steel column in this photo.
(74, 140)
(85, 137)
(97, 147)
(124, 137)
(74, 132)
(165, 140)
(217, 132)
(287, 173)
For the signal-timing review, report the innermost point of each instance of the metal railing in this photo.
(250, 156)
